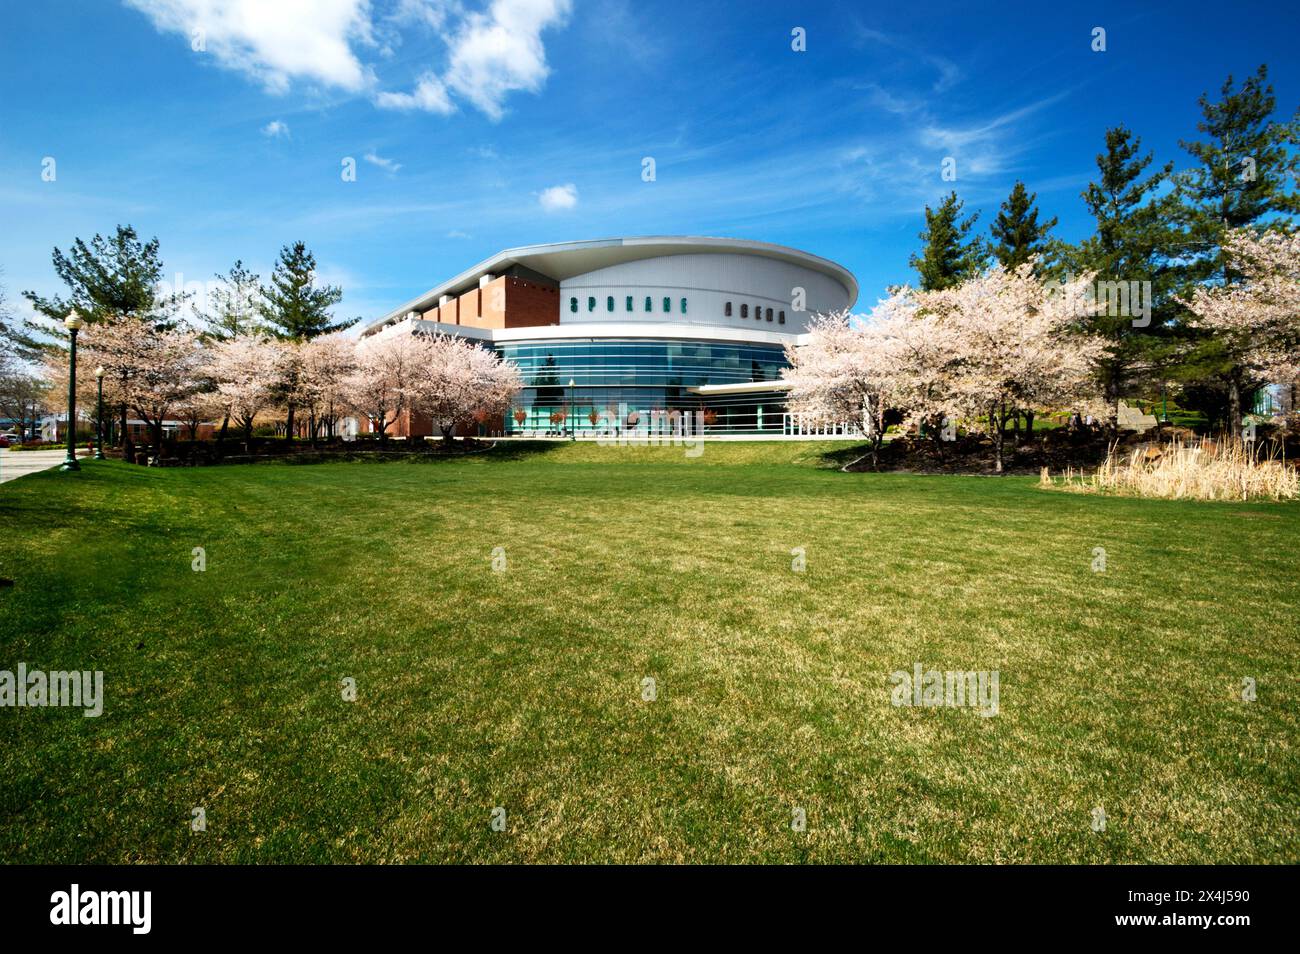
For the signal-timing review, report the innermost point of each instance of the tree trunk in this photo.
(288, 427)
(1029, 426)
(1234, 403)
(128, 447)
(997, 440)
(1112, 403)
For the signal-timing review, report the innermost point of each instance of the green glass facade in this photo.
(626, 380)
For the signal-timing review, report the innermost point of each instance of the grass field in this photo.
(523, 689)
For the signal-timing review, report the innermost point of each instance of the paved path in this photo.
(14, 464)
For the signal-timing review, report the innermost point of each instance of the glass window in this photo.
(629, 302)
(683, 306)
(668, 303)
(573, 304)
(769, 314)
(609, 303)
(726, 310)
(781, 317)
(744, 311)
(649, 303)
(591, 303)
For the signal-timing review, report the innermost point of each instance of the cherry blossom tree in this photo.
(1019, 343)
(380, 383)
(248, 371)
(1256, 321)
(148, 370)
(999, 341)
(325, 364)
(456, 379)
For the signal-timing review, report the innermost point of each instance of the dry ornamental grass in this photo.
(1198, 470)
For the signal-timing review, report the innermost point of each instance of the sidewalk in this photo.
(15, 464)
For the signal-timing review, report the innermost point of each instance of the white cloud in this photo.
(490, 54)
(274, 43)
(496, 53)
(429, 95)
(276, 129)
(558, 198)
(429, 13)
(388, 165)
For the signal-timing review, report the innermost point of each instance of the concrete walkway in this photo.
(15, 464)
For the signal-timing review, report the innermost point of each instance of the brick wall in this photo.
(468, 306)
(510, 303)
(529, 304)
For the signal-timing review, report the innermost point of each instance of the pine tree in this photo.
(1136, 241)
(1242, 179)
(13, 339)
(114, 277)
(296, 310)
(1243, 165)
(293, 307)
(234, 305)
(1016, 232)
(947, 257)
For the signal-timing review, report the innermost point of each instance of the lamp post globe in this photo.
(99, 415)
(73, 323)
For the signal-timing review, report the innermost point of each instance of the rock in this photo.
(1131, 419)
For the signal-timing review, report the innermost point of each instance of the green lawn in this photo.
(523, 688)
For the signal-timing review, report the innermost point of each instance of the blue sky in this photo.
(477, 126)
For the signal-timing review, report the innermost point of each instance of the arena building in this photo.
(633, 328)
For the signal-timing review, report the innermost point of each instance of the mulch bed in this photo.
(1084, 448)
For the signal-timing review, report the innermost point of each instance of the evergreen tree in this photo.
(116, 276)
(294, 308)
(1244, 175)
(234, 305)
(947, 257)
(1017, 234)
(1136, 241)
(1243, 166)
(13, 339)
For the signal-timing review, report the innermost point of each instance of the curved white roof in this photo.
(562, 260)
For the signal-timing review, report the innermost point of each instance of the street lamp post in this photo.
(99, 415)
(73, 323)
(573, 430)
